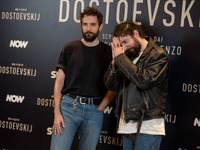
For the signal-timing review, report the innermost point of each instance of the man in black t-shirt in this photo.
(79, 92)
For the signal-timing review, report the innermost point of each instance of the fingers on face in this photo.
(116, 42)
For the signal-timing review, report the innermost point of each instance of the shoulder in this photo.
(76, 43)
(154, 52)
(105, 51)
(160, 52)
(106, 46)
(156, 49)
(70, 46)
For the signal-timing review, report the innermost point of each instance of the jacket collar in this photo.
(150, 45)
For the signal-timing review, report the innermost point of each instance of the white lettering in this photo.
(170, 118)
(152, 18)
(135, 12)
(53, 74)
(15, 98)
(108, 110)
(169, 13)
(191, 88)
(125, 11)
(121, 11)
(173, 50)
(18, 44)
(196, 122)
(158, 39)
(75, 10)
(110, 140)
(107, 9)
(16, 126)
(92, 1)
(18, 71)
(49, 131)
(61, 11)
(45, 102)
(186, 13)
(107, 36)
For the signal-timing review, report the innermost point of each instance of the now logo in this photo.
(18, 44)
(108, 110)
(14, 98)
(197, 122)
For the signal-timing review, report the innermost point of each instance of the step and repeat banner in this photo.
(32, 34)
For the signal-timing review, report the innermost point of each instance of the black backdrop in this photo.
(32, 34)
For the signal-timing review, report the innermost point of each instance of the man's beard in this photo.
(133, 52)
(90, 36)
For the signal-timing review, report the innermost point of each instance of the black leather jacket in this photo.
(142, 86)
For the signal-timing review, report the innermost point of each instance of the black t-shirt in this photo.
(84, 68)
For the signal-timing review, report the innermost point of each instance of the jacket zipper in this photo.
(123, 96)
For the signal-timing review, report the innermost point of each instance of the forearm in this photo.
(107, 100)
(57, 91)
(57, 99)
(111, 79)
(149, 74)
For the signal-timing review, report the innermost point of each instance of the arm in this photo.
(152, 73)
(111, 79)
(58, 119)
(106, 100)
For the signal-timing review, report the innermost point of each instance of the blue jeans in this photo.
(144, 142)
(87, 118)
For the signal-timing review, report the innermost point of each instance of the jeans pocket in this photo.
(95, 107)
(66, 101)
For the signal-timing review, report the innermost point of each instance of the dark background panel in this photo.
(27, 73)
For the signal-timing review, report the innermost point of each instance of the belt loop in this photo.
(90, 101)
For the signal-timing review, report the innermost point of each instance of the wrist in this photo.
(57, 112)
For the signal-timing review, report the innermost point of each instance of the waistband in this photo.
(86, 100)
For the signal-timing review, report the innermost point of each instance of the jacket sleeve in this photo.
(153, 71)
(111, 79)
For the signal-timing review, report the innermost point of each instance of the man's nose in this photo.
(88, 28)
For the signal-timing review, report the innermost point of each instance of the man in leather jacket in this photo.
(139, 74)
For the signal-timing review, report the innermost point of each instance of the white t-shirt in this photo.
(153, 126)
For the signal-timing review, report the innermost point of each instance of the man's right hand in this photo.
(58, 120)
(117, 49)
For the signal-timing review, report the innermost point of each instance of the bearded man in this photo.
(139, 74)
(79, 92)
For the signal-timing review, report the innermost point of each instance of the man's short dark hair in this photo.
(91, 11)
(127, 28)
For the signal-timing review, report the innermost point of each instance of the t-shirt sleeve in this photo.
(62, 62)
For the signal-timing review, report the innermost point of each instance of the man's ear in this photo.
(136, 34)
(101, 26)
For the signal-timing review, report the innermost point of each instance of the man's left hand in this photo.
(116, 47)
